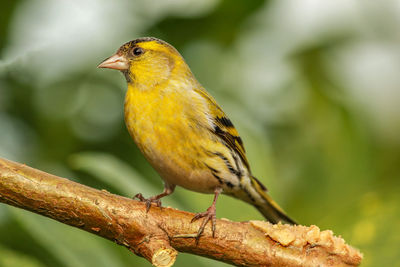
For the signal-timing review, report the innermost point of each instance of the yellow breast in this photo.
(161, 122)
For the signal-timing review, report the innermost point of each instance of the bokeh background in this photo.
(312, 86)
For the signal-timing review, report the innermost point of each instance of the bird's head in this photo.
(145, 62)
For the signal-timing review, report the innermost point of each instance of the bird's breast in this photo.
(155, 119)
(161, 124)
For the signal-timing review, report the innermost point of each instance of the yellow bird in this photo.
(183, 132)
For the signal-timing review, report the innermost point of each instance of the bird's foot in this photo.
(209, 215)
(148, 201)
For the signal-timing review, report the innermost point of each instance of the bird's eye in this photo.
(137, 51)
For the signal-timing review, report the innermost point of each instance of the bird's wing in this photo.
(224, 128)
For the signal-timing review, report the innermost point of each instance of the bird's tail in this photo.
(268, 207)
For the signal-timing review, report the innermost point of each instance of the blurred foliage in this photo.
(313, 88)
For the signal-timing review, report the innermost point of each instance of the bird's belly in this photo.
(189, 177)
(178, 165)
(174, 153)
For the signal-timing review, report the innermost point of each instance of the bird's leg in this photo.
(168, 190)
(208, 215)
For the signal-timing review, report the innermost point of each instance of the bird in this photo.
(182, 131)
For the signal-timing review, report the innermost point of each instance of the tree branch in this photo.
(160, 233)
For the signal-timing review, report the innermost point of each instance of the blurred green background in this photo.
(312, 86)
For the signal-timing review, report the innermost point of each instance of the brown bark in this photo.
(160, 233)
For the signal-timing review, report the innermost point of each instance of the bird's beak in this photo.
(115, 62)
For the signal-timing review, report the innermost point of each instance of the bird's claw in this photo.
(140, 197)
(148, 201)
(209, 215)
